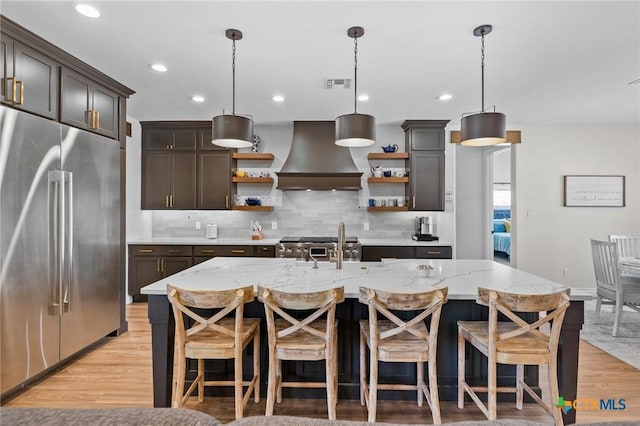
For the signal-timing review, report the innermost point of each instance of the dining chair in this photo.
(513, 341)
(628, 245)
(612, 287)
(313, 337)
(391, 339)
(216, 337)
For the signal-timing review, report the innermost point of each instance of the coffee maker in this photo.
(424, 229)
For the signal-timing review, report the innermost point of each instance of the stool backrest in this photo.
(184, 302)
(553, 304)
(383, 302)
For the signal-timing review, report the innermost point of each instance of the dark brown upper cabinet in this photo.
(170, 139)
(214, 180)
(424, 141)
(168, 181)
(29, 79)
(87, 105)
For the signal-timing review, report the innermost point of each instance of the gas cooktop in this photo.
(316, 240)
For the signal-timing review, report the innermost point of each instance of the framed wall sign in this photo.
(594, 191)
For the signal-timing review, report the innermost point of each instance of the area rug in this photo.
(626, 346)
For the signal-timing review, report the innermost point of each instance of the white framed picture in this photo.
(594, 191)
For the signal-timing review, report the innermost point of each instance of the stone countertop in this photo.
(463, 277)
(402, 242)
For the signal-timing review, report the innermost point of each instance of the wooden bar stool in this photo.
(217, 337)
(395, 340)
(309, 339)
(514, 342)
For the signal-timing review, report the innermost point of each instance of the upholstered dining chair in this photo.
(216, 337)
(612, 287)
(391, 339)
(515, 342)
(311, 338)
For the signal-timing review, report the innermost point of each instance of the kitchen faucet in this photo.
(339, 250)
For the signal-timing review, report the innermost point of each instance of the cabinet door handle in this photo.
(265, 248)
(162, 264)
(238, 251)
(175, 251)
(167, 147)
(14, 83)
(171, 200)
(414, 201)
(158, 265)
(209, 251)
(226, 201)
(96, 125)
(166, 201)
(145, 251)
(434, 252)
(21, 83)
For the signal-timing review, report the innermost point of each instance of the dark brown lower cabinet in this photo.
(375, 253)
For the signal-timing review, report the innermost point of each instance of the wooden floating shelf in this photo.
(387, 155)
(403, 179)
(253, 208)
(252, 156)
(252, 179)
(388, 209)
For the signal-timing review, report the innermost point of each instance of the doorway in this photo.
(499, 204)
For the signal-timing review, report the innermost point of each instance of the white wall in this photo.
(551, 237)
(502, 166)
(470, 185)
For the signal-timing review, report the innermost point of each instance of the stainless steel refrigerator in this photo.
(59, 243)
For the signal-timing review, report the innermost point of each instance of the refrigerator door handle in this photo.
(67, 233)
(55, 242)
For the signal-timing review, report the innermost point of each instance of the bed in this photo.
(502, 231)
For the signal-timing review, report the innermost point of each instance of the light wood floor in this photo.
(117, 373)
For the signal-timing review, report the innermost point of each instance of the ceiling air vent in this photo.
(333, 83)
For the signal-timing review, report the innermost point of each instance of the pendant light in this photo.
(233, 131)
(355, 130)
(483, 128)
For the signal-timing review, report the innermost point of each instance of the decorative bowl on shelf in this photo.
(424, 269)
(390, 148)
(251, 201)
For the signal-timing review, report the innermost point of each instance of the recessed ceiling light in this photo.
(444, 97)
(159, 68)
(363, 98)
(197, 98)
(278, 98)
(88, 11)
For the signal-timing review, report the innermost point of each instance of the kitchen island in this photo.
(462, 277)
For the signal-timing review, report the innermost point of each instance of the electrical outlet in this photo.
(198, 224)
(274, 225)
(366, 226)
(565, 273)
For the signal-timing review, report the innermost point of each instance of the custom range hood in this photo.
(316, 162)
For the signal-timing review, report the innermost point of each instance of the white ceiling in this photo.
(561, 62)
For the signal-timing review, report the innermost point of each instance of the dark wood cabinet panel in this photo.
(184, 139)
(143, 270)
(205, 135)
(184, 181)
(168, 181)
(434, 252)
(168, 138)
(156, 139)
(427, 181)
(265, 251)
(30, 79)
(426, 139)
(375, 253)
(214, 180)
(156, 181)
(86, 105)
(6, 66)
(171, 265)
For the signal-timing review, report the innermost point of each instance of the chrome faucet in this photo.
(339, 257)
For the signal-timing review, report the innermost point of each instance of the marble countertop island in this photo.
(463, 277)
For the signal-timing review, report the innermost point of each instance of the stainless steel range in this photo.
(318, 248)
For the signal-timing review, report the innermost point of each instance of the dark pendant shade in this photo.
(355, 130)
(483, 128)
(232, 131)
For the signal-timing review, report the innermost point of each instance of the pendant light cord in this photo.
(482, 68)
(233, 72)
(355, 72)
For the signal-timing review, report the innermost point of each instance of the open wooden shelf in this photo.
(252, 179)
(388, 209)
(387, 155)
(253, 208)
(252, 156)
(391, 179)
